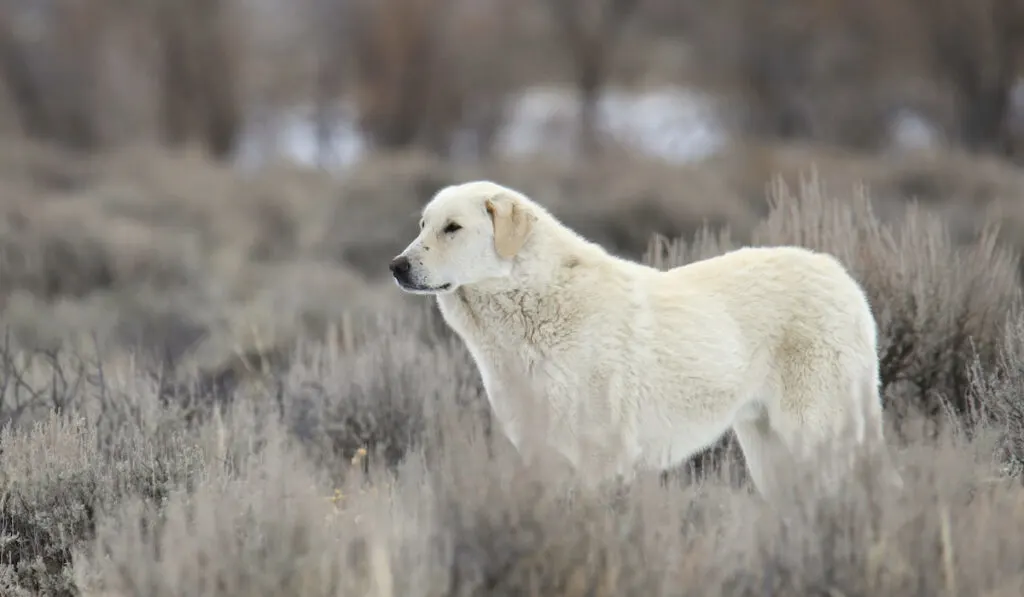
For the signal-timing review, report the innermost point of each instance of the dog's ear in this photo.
(511, 225)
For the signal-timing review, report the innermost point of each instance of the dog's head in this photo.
(468, 233)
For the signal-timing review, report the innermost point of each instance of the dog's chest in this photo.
(519, 345)
(519, 373)
(528, 393)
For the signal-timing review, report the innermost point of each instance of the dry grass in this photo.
(364, 463)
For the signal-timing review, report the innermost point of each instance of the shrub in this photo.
(257, 524)
(60, 474)
(396, 394)
(998, 387)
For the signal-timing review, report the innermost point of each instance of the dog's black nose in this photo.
(400, 266)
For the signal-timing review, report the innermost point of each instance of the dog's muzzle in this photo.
(401, 269)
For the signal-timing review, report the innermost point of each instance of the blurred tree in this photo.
(801, 69)
(53, 67)
(48, 62)
(198, 74)
(590, 29)
(838, 70)
(427, 71)
(395, 49)
(975, 48)
(332, 20)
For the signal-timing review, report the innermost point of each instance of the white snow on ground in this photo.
(674, 123)
(910, 130)
(293, 136)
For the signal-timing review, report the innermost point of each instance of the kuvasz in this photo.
(621, 366)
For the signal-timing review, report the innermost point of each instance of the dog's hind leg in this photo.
(763, 451)
(874, 421)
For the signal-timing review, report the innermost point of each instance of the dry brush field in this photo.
(208, 388)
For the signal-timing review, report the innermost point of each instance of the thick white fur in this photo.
(620, 366)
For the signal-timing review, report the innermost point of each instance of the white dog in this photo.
(621, 366)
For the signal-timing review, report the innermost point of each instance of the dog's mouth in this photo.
(420, 288)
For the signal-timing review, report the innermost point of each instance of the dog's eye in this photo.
(453, 227)
(422, 222)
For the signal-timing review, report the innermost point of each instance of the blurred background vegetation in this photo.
(196, 174)
(449, 76)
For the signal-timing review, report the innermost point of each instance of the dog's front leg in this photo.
(609, 448)
(610, 462)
